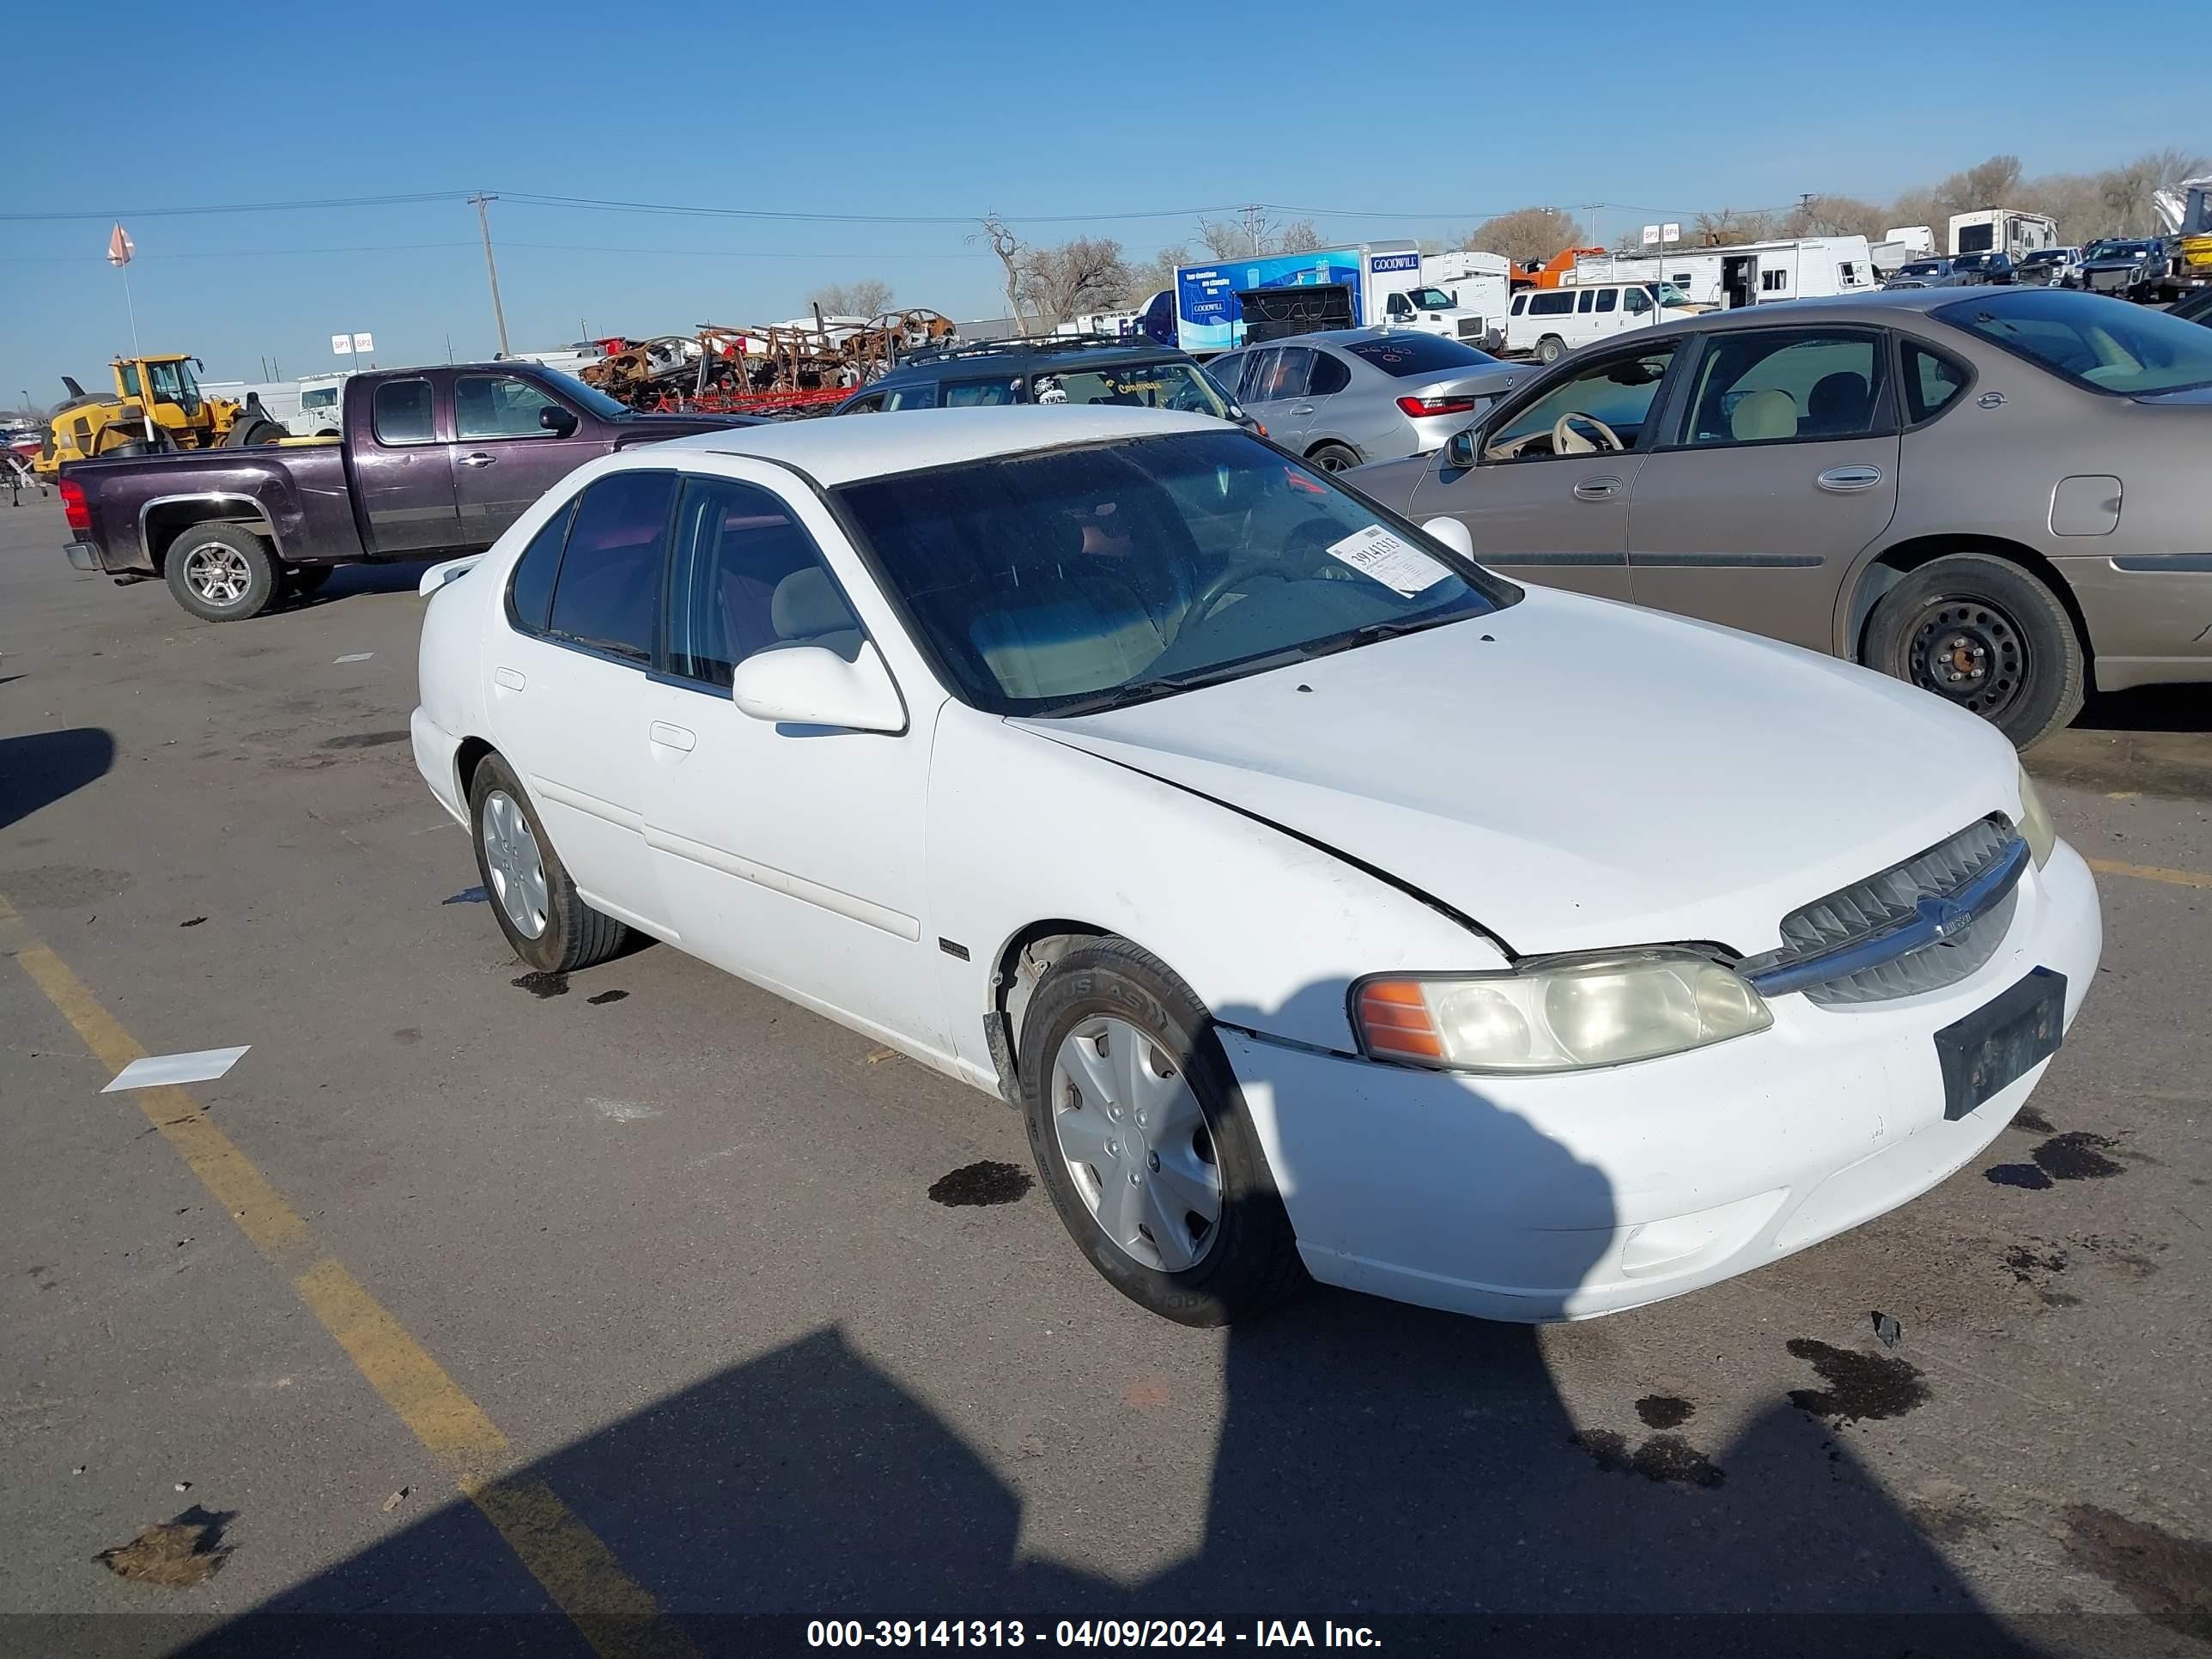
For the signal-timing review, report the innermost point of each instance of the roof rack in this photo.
(1024, 343)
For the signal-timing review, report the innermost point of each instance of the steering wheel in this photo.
(1566, 441)
(1203, 602)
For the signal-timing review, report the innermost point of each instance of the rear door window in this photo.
(1607, 298)
(1556, 303)
(1330, 374)
(1764, 385)
(978, 394)
(1587, 299)
(608, 596)
(401, 413)
(923, 396)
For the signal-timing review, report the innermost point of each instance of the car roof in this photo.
(981, 356)
(839, 449)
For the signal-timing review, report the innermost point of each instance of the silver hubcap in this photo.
(218, 574)
(518, 873)
(1136, 1145)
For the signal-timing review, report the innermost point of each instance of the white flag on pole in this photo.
(120, 248)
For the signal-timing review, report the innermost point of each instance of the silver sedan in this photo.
(1350, 395)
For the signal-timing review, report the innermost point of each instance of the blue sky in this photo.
(945, 111)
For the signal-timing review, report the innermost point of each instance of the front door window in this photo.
(1605, 407)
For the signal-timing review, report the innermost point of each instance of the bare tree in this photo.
(1732, 226)
(1526, 235)
(1834, 216)
(866, 298)
(1083, 274)
(1299, 237)
(2127, 189)
(1011, 251)
(1256, 234)
(1147, 277)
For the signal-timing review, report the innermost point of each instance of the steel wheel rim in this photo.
(517, 870)
(217, 574)
(1136, 1145)
(1971, 652)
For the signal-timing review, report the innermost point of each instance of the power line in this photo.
(241, 207)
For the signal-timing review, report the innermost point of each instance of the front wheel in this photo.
(1140, 1133)
(1987, 635)
(221, 572)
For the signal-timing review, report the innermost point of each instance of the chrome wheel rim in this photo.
(1136, 1145)
(217, 574)
(511, 855)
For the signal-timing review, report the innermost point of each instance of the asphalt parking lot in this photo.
(618, 1307)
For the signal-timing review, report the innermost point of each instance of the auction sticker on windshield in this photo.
(1391, 559)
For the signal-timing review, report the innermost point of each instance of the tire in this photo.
(1098, 1000)
(304, 579)
(570, 934)
(1551, 349)
(249, 432)
(221, 572)
(1987, 635)
(1333, 457)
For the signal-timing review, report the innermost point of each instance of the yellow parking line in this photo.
(614, 1613)
(2149, 872)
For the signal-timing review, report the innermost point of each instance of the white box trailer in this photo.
(1754, 273)
(1479, 284)
(2002, 230)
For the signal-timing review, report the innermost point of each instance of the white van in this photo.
(1548, 322)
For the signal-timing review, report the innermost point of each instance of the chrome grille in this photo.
(1857, 921)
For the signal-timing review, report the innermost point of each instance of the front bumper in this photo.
(1563, 1197)
(84, 556)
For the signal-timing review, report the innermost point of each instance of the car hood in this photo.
(1570, 774)
(652, 428)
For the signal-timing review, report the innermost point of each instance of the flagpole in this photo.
(145, 391)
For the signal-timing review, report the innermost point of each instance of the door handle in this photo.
(1844, 479)
(1597, 489)
(670, 737)
(478, 459)
(508, 679)
(1301, 408)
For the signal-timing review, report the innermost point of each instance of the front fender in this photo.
(1268, 930)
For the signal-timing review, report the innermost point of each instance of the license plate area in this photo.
(2001, 1040)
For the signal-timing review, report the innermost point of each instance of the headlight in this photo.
(2035, 826)
(1566, 1014)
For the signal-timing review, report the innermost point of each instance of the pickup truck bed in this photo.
(433, 462)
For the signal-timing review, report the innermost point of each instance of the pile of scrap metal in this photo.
(782, 368)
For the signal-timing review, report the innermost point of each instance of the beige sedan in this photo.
(1996, 494)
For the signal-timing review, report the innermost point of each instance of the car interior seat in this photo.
(806, 609)
(1840, 403)
(1762, 416)
(1060, 622)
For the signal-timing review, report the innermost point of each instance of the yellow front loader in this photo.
(125, 422)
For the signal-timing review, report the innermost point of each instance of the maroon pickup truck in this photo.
(433, 462)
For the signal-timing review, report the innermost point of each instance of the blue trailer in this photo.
(1216, 307)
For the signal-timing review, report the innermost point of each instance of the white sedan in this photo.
(1327, 904)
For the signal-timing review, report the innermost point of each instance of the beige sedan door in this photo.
(1782, 467)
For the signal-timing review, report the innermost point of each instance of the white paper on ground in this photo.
(357, 656)
(1391, 559)
(159, 1071)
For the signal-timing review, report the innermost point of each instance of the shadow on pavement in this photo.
(1374, 1460)
(40, 768)
(2148, 709)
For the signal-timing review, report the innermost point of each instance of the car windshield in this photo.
(1431, 299)
(1972, 261)
(2117, 250)
(2105, 345)
(1402, 354)
(1075, 580)
(1168, 384)
(1923, 268)
(594, 400)
(1668, 295)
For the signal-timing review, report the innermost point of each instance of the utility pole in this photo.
(491, 268)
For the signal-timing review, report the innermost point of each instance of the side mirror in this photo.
(812, 685)
(1452, 533)
(556, 420)
(1459, 447)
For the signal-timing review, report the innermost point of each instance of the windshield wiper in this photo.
(1161, 685)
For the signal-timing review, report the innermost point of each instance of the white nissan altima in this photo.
(1327, 904)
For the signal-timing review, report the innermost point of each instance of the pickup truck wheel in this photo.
(546, 923)
(1987, 635)
(1142, 1140)
(221, 572)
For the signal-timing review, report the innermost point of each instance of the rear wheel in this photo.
(547, 924)
(1987, 635)
(221, 572)
(1551, 349)
(1333, 457)
(1141, 1138)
